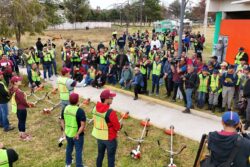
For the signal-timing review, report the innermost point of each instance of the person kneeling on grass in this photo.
(19, 106)
(73, 122)
(137, 82)
(35, 77)
(7, 156)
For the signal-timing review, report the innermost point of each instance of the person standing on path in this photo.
(106, 126)
(73, 121)
(5, 98)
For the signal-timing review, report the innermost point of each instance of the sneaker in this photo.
(67, 165)
(84, 85)
(25, 137)
(157, 94)
(135, 98)
(50, 79)
(9, 129)
(186, 111)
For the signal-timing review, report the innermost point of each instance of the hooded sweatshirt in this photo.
(221, 144)
(113, 125)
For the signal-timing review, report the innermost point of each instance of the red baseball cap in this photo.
(65, 70)
(15, 79)
(106, 94)
(73, 98)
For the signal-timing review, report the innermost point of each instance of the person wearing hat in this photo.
(240, 54)
(73, 121)
(113, 43)
(47, 62)
(203, 87)
(5, 98)
(137, 82)
(100, 46)
(121, 43)
(214, 90)
(228, 80)
(246, 94)
(223, 68)
(126, 77)
(19, 106)
(6, 66)
(228, 143)
(106, 127)
(7, 156)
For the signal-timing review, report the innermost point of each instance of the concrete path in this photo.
(188, 125)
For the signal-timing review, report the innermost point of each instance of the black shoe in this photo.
(247, 125)
(9, 129)
(186, 111)
(135, 98)
(222, 109)
(213, 108)
(209, 107)
(1, 126)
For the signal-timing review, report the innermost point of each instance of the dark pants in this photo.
(169, 85)
(176, 86)
(145, 80)
(29, 73)
(137, 90)
(111, 147)
(46, 67)
(54, 67)
(21, 115)
(112, 80)
(155, 83)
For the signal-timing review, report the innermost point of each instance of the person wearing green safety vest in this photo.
(34, 55)
(19, 106)
(203, 87)
(103, 61)
(7, 156)
(151, 58)
(105, 129)
(47, 62)
(240, 54)
(112, 57)
(156, 74)
(161, 39)
(143, 68)
(214, 90)
(73, 121)
(35, 76)
(29, 60)
(5, 98)
(52, 52)
(113, 43)
(243, 80)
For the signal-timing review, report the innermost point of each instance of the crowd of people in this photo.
(134, 61)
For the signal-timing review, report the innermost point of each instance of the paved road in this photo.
(188, 125)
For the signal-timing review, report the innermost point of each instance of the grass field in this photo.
(43, 150)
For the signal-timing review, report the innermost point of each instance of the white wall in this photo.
(67, 25)
(226, 6)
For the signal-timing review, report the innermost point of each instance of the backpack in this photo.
(207, 162)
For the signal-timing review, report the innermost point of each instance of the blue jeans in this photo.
(54, 67)
(46, 67)
(103, 68)
(4, 116)
(189, 92)
(88, 80)
(155, 82)
(64, 103)
(111, 147)
(29, 73)
(78, 149)
(201, 99)
(122, 83)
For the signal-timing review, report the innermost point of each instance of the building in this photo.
(231, 25)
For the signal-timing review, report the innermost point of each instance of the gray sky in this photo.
(106, 3)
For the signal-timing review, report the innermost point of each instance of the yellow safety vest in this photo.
(156, 69)
(64, 92)
(4, 161)
(13, 103)
(71, 126)
(203, 84)
(143, 70)
(103, 59)
(100, 128)
(238, 57)
(91, 73)
(113, 56)
(47, 57)
(112, 43)
(52, 52)
(30, 59)
(214, 83)
(34, 76)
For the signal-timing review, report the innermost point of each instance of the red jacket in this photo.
(20, 99)
(7, 65)
(113, 125)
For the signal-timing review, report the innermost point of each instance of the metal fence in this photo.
(83, 25)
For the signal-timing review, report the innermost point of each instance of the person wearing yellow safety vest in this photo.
(243, 80)
(105, 129)
(35, 55)
(156, 73)
(35, 76)
(73, 121)
(7, 156)
(113, 43)
(214, 90)
(203, 87)
(151, 57)
(66, 86)
(143, 68)
(5, 98)
(52, 52)
(47, 62)
(29, 61)
(241, 54)
(103, 61)
(19, 106)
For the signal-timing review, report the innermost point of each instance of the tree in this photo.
(51, 8)
(152, 10)
(198, 11)
(20, 16)
(175, 8)
(76, 10)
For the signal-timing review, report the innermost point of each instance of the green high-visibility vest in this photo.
(91, 73)
(100, 128)
(71, 126)
(75, 57)
(203, 84)
(143, 70)
(214, 83)
(52, 53)
(151, 56)
(238, 57)
(34, 76)
(103, 59)
(113, 56)
(239, 68)
(156, 69)
(46, 57)
(13, 103)
(30, 59)
(112, 43)
(64, 92)
(37, 58)
(4, 161)
(65, 55)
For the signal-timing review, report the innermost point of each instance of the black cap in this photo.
(231, 66)
(214, 57)
(243, 59)
(241, 48)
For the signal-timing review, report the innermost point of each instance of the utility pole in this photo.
(183, 5)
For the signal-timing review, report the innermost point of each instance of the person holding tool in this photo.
(106, 126)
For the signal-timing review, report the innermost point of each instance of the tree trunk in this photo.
(18, 36)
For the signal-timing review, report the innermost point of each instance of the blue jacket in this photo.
(138, 80)
(167, 69)
(229, 80)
